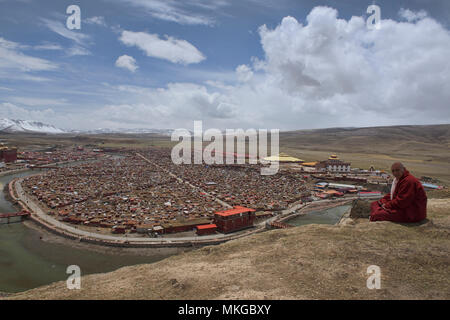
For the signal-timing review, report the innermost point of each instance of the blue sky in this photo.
(164, 64)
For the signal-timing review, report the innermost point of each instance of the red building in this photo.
(173, 227)
(119, 229)
(8, 155)
(206, 229)
(234, 219)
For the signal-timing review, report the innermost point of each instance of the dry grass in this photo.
(308, 262)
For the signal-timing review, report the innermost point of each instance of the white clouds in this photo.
(412, 16)
(12, 111)
(166, 107)
(48, 46)
(171, 49)
(126, 62)
(317, 60)
(328, 72)
(33, 101)
(59, 28)
(81, 40)
(97, 20)
(22, 76)
(182, 12)
(10, 45)
(331, 66)
(77, 51)
(12, 59)
(244, 73)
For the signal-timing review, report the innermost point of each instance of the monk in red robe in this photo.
(407, 201)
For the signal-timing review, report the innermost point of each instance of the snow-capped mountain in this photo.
(10, 125)
(129, 131)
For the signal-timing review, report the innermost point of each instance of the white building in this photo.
(333, 164)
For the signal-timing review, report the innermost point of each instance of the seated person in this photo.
(407, 201)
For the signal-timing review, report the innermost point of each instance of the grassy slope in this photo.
(423, 149)
(314, 261)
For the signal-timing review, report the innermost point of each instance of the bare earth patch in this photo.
(307, 262)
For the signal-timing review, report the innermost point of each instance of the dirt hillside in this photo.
(308, 262)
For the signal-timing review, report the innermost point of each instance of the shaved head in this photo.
(398, 169)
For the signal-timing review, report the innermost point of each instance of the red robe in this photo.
(409, 203)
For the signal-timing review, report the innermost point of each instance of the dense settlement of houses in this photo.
(127, 194)
(11, 159)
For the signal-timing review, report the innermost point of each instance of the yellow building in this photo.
(333, 157)
(283, 158)
(310, 164)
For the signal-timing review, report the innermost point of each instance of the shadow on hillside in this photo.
(415, 224)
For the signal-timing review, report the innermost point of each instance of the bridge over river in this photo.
(6, 218)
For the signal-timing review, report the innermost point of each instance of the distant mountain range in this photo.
(335, 136)
(127, 131)
(11, 125)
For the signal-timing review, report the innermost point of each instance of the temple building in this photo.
(8, 155)
(333, 164)
(234, 219)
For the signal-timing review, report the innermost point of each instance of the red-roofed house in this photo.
(205, 229)
(234, 219)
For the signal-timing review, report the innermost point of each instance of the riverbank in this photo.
(314, 206)
(53, 238)
(30, 259)
(6, 173)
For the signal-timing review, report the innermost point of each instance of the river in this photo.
(27, 262)
(324, 216)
